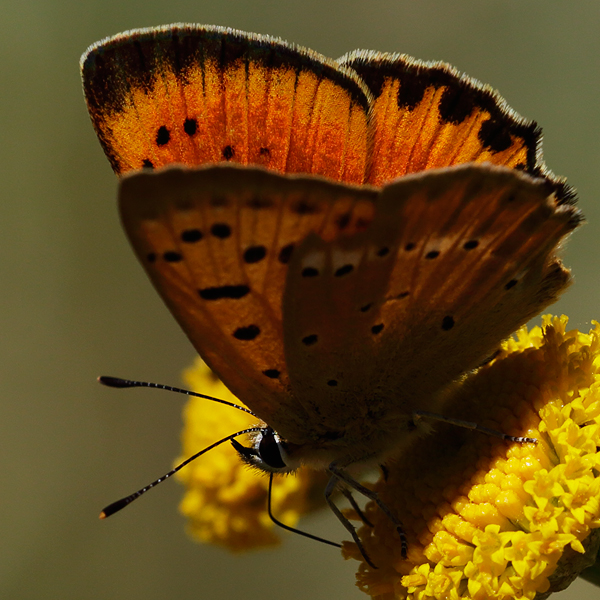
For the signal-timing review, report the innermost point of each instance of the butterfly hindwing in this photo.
(216, 242)
(454, 261)
(200, 94)
(481, 265)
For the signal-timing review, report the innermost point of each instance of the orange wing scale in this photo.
(194, 95)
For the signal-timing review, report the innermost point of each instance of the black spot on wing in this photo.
(447, 323)
(162, 136)
(344, 270)
(377, 328)
(303, 207)
(228, 153)
(432, 254)
(342, 221)
(309, 272)
(247, 333)
(285, 254)
(172, 256)
(221, 230)
(190, 236)
(232, 292)
(190, 126)
(272, 373)
(309, 340)
(254, 254)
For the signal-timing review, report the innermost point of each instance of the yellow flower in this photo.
(491, 519)
(225, 500)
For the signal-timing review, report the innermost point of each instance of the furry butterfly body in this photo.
(358, 255)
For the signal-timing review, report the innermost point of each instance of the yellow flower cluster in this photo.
(490, 519)
(225, 500)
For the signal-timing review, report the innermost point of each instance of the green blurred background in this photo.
(75, 304)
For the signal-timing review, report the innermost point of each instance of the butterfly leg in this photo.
(287, 527)
(357, 509)
(421, 414)
(331, 485)
(371, 495)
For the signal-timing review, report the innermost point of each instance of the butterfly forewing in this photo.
(428, 115)
(196, 95)
(216, 243)
(454, 261)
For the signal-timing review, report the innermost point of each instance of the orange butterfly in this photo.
(380, 226)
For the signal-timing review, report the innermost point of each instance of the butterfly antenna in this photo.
(292, 529)
(117, 382)
(111, 509)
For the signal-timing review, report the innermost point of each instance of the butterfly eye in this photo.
(270, 451)
(267, 452)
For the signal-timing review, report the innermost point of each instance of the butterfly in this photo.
(341, 241)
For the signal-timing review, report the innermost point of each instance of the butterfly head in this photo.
(269, 452)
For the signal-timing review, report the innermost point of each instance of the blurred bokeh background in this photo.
(75, 304)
